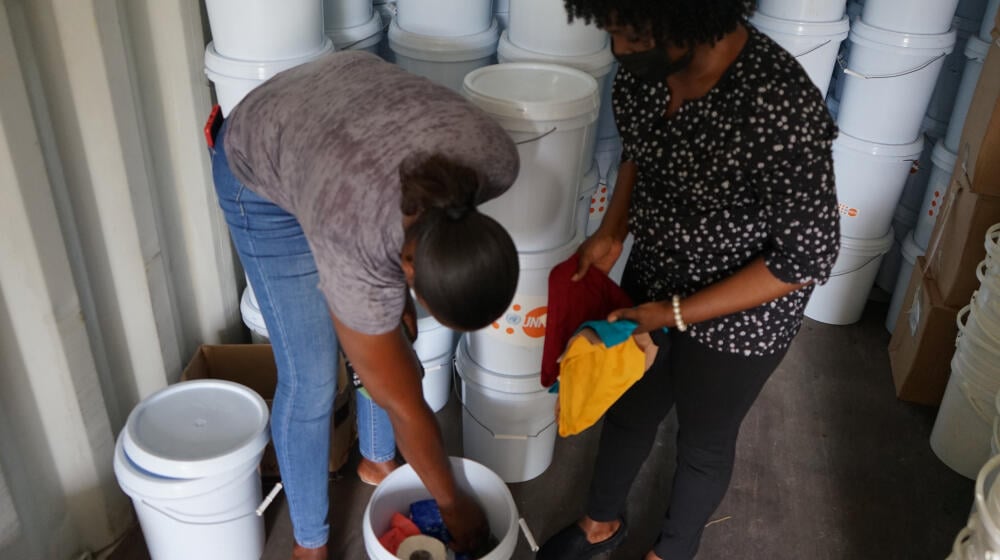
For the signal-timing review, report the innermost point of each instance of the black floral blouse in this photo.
(743, 172)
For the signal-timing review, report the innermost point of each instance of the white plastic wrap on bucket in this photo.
(403, 487)
(589, 186)
(365, 36)
(804, 10)
(925, 17)
(909, 254)
(444, 18)
(870, 177)
(541, 26)
(551, 113)
(513, 344)
(436, 383)
(346, 13)
(937, 187)
(264, 30)
(814, 45)
(889, 82)
(842, 299)
(601, 65)
(989, 20)
(975, 51)
(234, 79)
(916, 181)
(444, 60)
(943, 100)
(508, 422)
(608, 152)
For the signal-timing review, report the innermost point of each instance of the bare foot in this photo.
(374, 473)
(651, 556)
(300, 553)
(598, 531)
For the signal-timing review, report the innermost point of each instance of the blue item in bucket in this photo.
(427, 517)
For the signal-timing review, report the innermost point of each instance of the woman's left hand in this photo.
(648, 316)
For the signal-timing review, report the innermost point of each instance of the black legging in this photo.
(713, 391)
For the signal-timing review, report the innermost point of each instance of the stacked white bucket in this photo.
(896, 51)
(965, 431)
(353, 25)
(254, 40)
(443, 40)
(551, 112)
(980, 538)
(188, 458)
(934, 182)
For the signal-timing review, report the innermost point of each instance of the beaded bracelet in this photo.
(679, 323)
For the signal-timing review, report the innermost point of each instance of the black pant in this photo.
(713, 392)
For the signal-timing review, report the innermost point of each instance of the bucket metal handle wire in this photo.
(537, 138)
(852, 271)
(520, 437)
(843, 66)
(813, 49)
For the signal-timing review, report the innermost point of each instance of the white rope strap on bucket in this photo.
(843, 65)
(813, 49)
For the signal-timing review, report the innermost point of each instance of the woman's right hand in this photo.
(601, 250)
(467, 525)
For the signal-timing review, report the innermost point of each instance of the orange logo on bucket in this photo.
(846, 210)
(534, 322)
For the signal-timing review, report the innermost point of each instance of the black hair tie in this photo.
(456, 213)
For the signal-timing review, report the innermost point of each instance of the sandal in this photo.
(571, 544)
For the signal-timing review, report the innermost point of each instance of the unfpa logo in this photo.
(846, 210)
(534, 322)
(516, 321)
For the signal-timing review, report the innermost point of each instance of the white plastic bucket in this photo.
(601, 65)
(943, 100)
(814, 44)
(513, 344)
(937, 186)
(339, 14)
(975, 51)
(542, 26)
(589, 186)
(600, 201)
(916, 181)
(989, 19)
(903, 222)
(804, 10)
(435, 348)
(964, 424)
(842, 299)
(444, 18)
(551, 113)
(889, 82)
(508, 422)
(870, 178)
(264, 30)
(608, 153)
(910, 16)
(909, 254)
(986, 534)
(252, 317)
(444, 60)
(385, 12)
(403, 487)
(234, 79)
(188, 459)
(365, 36)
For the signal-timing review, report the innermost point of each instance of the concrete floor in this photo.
(830, 466)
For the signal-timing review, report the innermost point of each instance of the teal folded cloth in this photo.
(611, 334)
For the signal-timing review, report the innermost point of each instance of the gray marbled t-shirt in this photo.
(325, 142)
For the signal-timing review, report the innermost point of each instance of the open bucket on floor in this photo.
(403, 487)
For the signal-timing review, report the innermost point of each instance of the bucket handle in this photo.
(843, 65)
(169, 514)
(521, 437)
(978, 408)
(537, 138)
(813, 49)
(866, 263)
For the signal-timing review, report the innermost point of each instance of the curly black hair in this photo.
(682, 22)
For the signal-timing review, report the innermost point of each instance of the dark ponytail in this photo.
(465, 263)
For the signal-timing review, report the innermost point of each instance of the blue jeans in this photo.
(282, 271)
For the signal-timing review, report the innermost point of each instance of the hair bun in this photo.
(456, 213)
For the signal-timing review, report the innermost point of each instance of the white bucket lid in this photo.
(904, 151)
(869, 35)
(976, 49)
(819, 29)
(347, 38)
(548, 259)
(910, 249)
(216, 64)
(443, 49)
(867, 247)
(943, 157)
(531, 91)
(472, 372)
(197, 429)
(597, 64)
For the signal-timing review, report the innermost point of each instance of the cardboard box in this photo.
(923, 342)
(253, 365)
(979, 152)
(957, 244)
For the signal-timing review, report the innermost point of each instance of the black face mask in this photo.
(653, 66)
